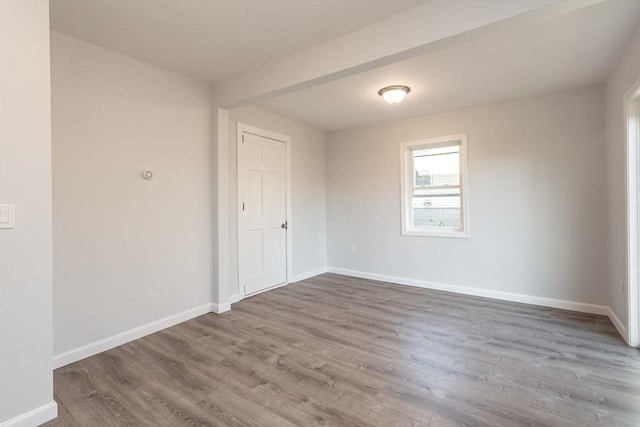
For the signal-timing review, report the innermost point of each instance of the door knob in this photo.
(284, 225)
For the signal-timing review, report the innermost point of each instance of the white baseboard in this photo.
(622, 329)
(266, 290)
(295, 278)
(308, 274)
(34, 417)
(221, 308)
(500, 295)
(108, 343)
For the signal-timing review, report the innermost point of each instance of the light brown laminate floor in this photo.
(339, 351)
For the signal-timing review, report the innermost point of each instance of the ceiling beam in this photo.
(435, 25)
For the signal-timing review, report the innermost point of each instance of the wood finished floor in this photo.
(338, 351)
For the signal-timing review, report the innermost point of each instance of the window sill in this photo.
(436, 233)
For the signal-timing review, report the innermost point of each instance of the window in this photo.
(434, 187)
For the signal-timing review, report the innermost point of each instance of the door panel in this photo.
(272, 158)
(262, 197)
(254, 254)
(254, 196)
(272, 261)
(272, 193)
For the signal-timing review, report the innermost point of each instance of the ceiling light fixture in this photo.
(394, 94)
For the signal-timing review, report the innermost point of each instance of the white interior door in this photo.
(262, 217)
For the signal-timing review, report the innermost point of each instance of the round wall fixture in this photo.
(394, 94)
(147, 175)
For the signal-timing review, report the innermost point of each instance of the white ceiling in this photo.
(551, 54)
(214, 39)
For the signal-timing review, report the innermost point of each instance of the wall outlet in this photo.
(7, 216)
(352, 248)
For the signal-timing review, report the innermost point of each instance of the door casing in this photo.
(632, 133)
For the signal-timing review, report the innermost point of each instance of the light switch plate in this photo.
(7, 216)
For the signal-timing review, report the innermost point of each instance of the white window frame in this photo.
(406, 187)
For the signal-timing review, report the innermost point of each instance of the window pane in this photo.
(437, 166)
(436, 192)
(437, 208)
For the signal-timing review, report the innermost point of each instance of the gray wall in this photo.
(127, 251)
(25, 180)
(536, 198)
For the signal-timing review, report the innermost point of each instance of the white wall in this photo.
(308, 223)
(625, 73)
(25, 180)
(536, 191)
(127, 251)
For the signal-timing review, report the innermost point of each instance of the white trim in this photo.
(240, 128)
(631, 108)
(465, 290)
(446, 232)
(221, 207)
(308, 274)
(108, 343)
(34, 417)
(220, 308)
(289, 207)
(280, 285)
(406, 184)
(622, 330)
(297, 278)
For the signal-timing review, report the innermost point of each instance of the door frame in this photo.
(632, 137)
(286, 140)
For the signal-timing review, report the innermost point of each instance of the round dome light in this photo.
(394, 94)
